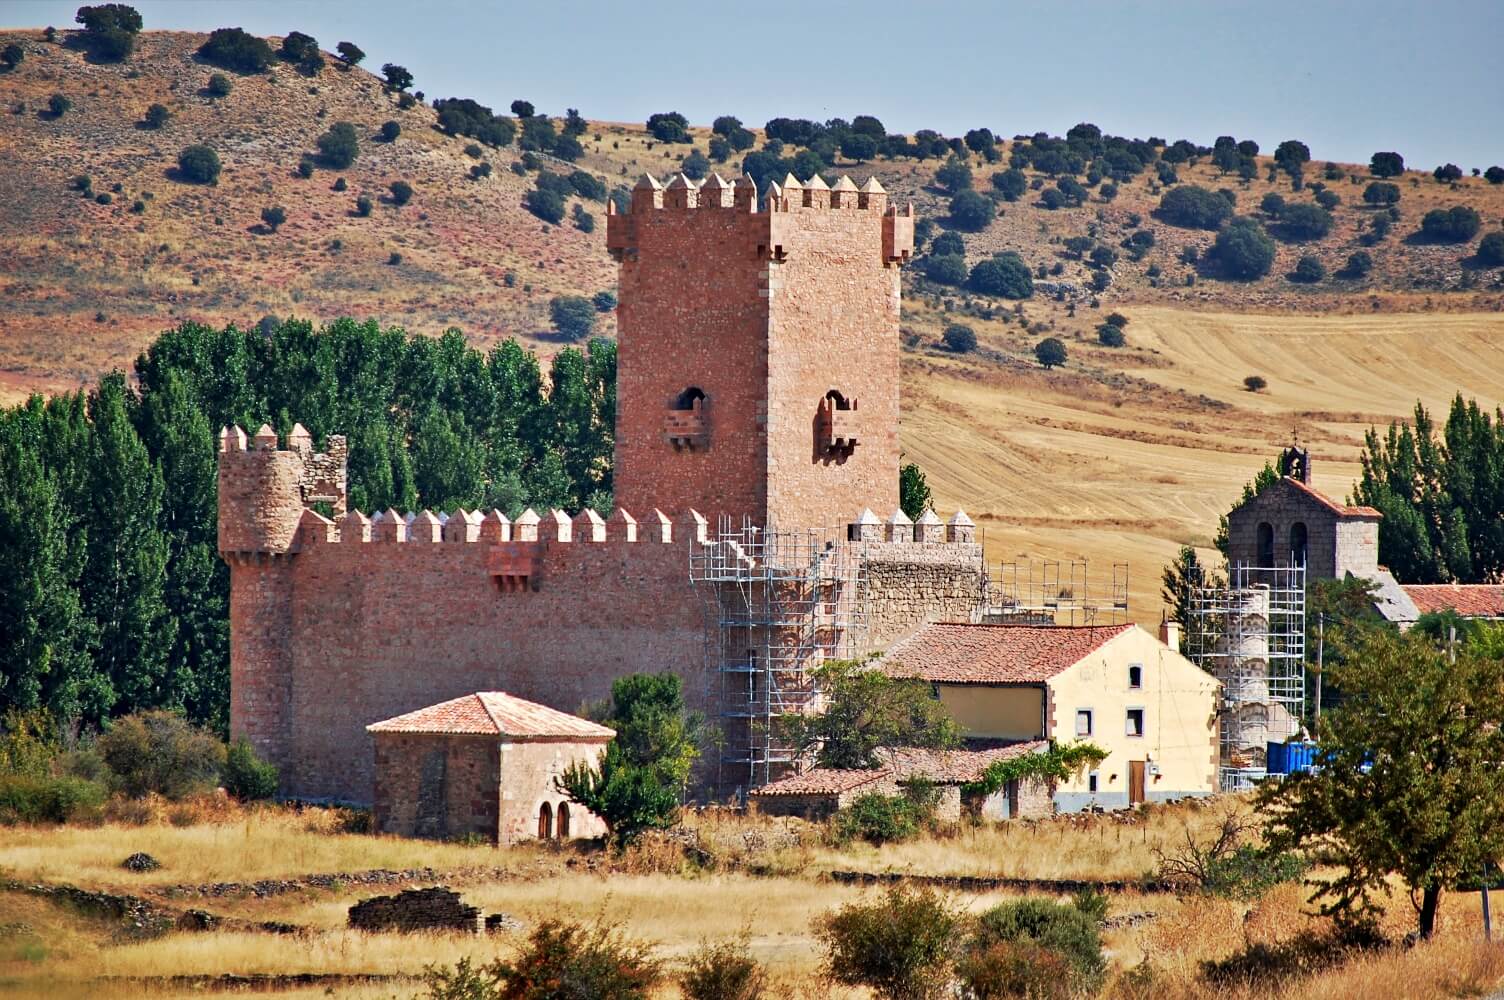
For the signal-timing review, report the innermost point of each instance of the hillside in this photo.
(1122, 454)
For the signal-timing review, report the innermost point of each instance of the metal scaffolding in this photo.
(1251, 635)
(777, 605)
(1053, 592)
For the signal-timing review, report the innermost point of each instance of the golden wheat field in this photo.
(1127, 454)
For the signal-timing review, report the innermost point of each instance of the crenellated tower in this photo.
(264, 491)
(758, 348)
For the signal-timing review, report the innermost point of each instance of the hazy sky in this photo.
(1347, 78)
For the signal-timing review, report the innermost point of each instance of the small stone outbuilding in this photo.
(483, 764)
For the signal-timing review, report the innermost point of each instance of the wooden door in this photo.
(1135, 782)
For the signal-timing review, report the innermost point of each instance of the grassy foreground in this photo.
(768, 882)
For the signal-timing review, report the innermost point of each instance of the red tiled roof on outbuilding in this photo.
(1470, 600)
(494, 713)
(963, 653)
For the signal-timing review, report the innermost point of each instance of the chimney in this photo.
(1169, 633)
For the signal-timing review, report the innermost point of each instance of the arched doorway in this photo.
(1298, 543)
(562, 827)
(545, 821)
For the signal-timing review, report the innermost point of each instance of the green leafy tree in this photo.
(1309, 270)
(350, 53)
(397, 77)
(1005, 275)
(125, 574)
(866, 712)
(669, 126)
(339, 146)
(12, 56)
(1302, 221)
(1262, 480)
(110, 30)
(640, 779)
(238, 50)
(960, 338)
(273, 217)
(1178, 583)
(59, 105)
(1409, 784)
(573, 316)
(971, 211)
(218, 85)
(1386, 165)
(1243, 249)
(1011, 184)
(913, 491)
(390, 130)
(1193, 207)
(1050, 352)
(954, 175)
(1457, 224)
(1491, 250)
(1494, 174)
(296, 47)
(402, 192)
(945, 268)
(901, 946)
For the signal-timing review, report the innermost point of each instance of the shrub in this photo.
(110, 30)
(363, 206)
(161, 752)
(971, 211)
(305, 168)
(1447, 173)
(960, 338)
(1050, 352)
(12, 55)
(339, 184)
(1381, 193)
(1078, 246)
(695, 166)
(545, 204)
(1111, 336)
(1255, 383)
(1060, 927)
(1103, 256)
(1308, 270)
(1494, 175)
(560, 959)
(1052, 198)
(583, 220)
(900, 945)
(1358, 265)
(297, 47)
(1386, 165)
(402, 192)
(1006, 275)
(1192, 207)
(474, 151)
(59, 105)
(948, 243)
(723, 971)
(1328, 199)
(1011, 184)
(339, 146)
(274, 216)
(84, 183)
(138, 206)
(199, 165)
(523, 109)
(397, 77)
(219, 85)
(1246, 872)
(1021, 969)
(238, 50)
(1243, 250)
(479, 170)
(394, 258)
(573, 316)
(46, 799)
(1457, 224)
(946, 269)
(1491, 250)
(390, 130)
(603, 301)
(350, 53)
(103, 198)
(246, 776)
(157, 115)
(954, 175)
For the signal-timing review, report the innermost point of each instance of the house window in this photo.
(1091, 782)
(1135, 675)
(1083, 722)
(1135, 722)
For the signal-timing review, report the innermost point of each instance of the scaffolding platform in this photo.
(1251, 635)
(1054, 592)
(777, 605)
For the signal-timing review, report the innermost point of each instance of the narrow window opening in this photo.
(563, 824)
(1135, 722)
(1136, 675)
(545, 822)
(1298, 543)
(1083, 722)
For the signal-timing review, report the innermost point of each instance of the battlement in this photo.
(768, 216)
(264, 489)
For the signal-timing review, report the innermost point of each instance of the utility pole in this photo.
(1320, 664)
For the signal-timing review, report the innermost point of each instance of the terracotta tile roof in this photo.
(493, 713)
(822, 781)
(944, 767)
(1470, 600)
(1329, 503)
(955, 767)
(962, 653)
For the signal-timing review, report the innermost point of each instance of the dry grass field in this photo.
(655, 897)
(1119, 457)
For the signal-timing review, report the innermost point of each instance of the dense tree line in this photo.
(1442, 497)
(112, 596)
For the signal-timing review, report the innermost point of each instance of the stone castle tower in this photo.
(758, 356)
(757, 379)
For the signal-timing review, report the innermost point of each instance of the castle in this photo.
(756, 434)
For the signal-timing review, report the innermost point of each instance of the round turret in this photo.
(260, 497)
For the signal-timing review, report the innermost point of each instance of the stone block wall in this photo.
(913, 583)
(416, 910)
(528, 770)
(437, 787)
